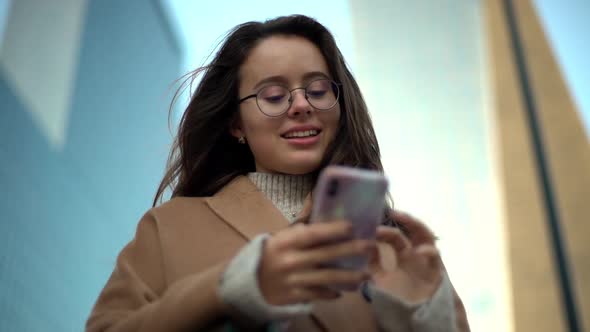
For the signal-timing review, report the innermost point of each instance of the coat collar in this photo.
(244, 207)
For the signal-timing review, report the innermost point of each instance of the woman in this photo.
(232, 249)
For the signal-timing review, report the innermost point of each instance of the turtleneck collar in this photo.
(287, 192)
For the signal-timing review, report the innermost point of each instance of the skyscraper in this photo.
(544, 161)
(480, 138)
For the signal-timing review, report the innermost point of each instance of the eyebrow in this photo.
(281, 79)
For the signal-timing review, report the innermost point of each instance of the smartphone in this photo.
(352, 194)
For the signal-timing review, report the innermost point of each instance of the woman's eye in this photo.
(274, 99)
(273, 94)
(316, 93)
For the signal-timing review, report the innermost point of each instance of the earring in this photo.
(242, 140)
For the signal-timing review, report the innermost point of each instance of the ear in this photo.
(235, 127)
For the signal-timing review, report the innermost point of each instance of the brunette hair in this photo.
(205, 157)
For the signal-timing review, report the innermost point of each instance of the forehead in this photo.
(290, 57)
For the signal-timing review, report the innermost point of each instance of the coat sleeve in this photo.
(137, 297)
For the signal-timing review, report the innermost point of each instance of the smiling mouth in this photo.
(302, 134)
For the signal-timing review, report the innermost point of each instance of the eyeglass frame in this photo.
(290, 100)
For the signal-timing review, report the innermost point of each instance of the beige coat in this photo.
(159, 281)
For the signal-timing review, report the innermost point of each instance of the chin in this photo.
(300, 167)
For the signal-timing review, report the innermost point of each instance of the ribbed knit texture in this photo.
(287, 192)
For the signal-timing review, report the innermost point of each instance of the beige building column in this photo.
(538, 301)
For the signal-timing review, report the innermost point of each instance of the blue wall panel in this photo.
(66, 214)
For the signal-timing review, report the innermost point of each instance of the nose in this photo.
(299, 104)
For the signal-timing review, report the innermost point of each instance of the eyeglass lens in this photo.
(275, 100)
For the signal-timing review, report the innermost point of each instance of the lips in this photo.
(301, 132)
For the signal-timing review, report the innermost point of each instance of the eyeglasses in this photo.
(275, 100)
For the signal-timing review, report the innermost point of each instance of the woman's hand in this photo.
(290, 269)
(407, 267)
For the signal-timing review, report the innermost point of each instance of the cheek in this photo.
(248, 121)
(332, 120)
(257, 128)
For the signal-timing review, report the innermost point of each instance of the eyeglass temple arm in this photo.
(247, 97)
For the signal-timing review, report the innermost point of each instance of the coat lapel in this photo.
(244, 207)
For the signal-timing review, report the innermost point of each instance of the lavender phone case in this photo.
(359, 196)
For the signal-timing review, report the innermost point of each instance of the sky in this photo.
(567, 26)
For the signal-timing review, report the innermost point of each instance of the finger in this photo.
(328, 278)
(417, 232)
(375, 260)
(308, 294)
(326, 253)
(394, 237)
(431, 255)
(305, 236)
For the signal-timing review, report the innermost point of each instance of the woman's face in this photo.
(295, 142)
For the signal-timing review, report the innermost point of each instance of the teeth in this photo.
(305, 133)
